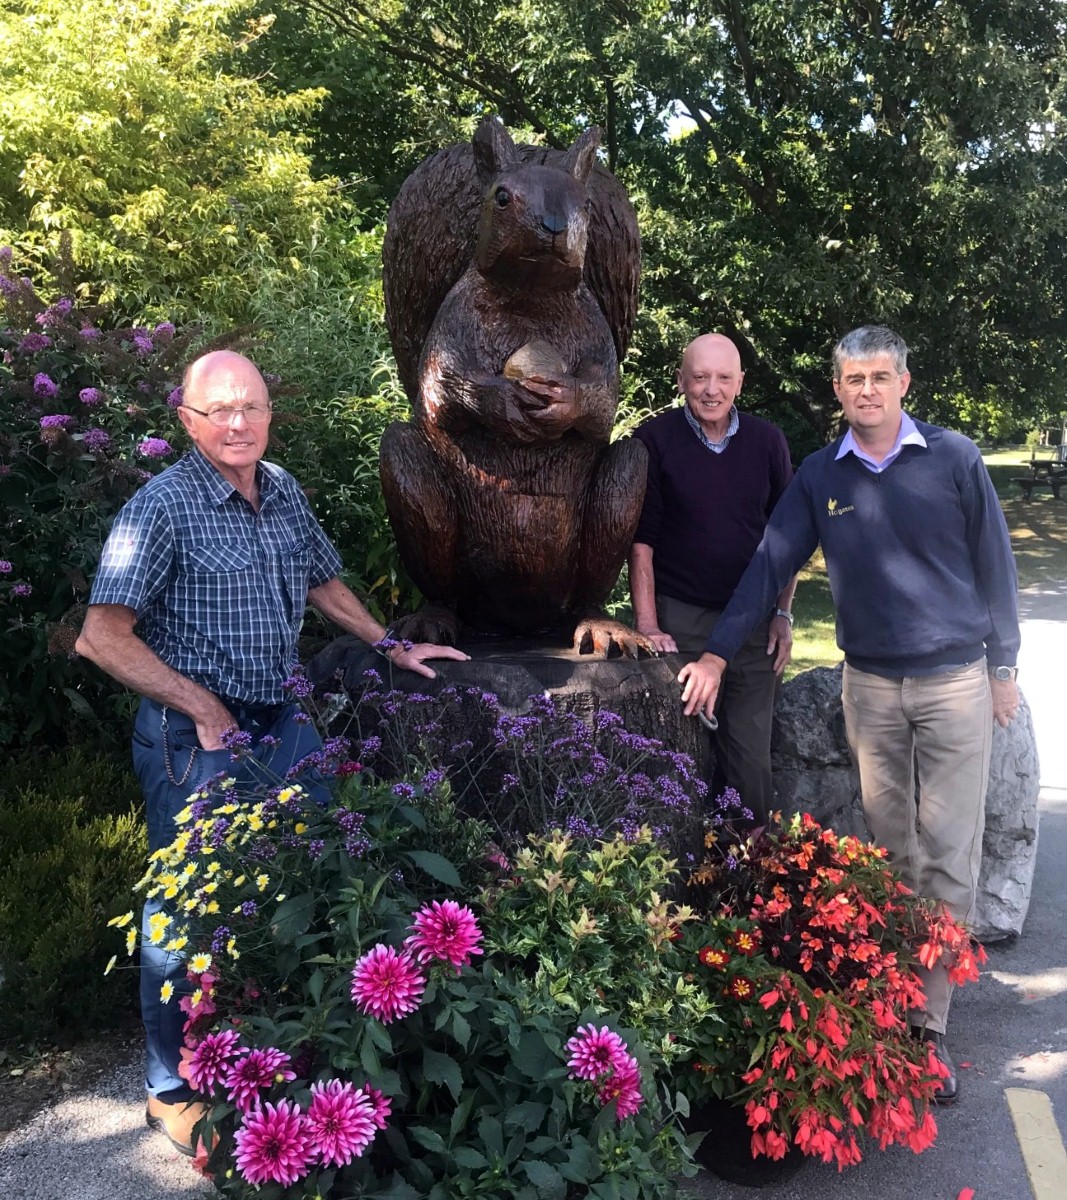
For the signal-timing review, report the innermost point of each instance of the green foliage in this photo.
(280, 898)
(132, 127)
(85, 418)
(798, 170)
(72, 843)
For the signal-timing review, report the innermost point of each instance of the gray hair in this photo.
(868, 342)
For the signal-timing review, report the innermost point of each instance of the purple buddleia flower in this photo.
(56, 420)
(174, 398)
(5, 567)
(96, 440)
(90, 396)
(164, 330)
(22, 589)
(154, 448)
(90, 333)
(33, 342)
(45, 387)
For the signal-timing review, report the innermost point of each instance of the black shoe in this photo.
(949, 1090)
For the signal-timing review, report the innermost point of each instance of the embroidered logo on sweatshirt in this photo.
(834, 511)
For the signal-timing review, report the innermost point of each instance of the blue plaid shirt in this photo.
(219, 590)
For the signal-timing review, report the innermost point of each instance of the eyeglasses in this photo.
(879, 381)
(254, 414)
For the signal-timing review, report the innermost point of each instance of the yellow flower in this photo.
(212, 906)
(262, 881)
(110, 965)
(197, 996)
(131, 940)
(119, 922)
(199, 963)
(231, 949)
(239, 881)
(171, 892)
(177, 945)
(300, 827)
(166, 991)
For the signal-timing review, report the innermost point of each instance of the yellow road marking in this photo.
(1039, 1140)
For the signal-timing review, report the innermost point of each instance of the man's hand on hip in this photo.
(700, 684)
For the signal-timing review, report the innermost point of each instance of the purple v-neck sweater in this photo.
(704, 513)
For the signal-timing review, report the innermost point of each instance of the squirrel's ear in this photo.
(494, 151)
(579, 159)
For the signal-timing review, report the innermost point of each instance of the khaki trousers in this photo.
(934, 730)
(746, 703)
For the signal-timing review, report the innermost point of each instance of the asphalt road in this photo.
(1008, 1033)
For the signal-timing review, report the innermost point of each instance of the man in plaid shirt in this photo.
(197, 605)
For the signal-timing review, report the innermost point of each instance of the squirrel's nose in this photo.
(554, 223)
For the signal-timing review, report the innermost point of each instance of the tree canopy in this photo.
(799, 168)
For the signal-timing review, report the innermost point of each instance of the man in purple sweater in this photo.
(921, 568)
(714, 476)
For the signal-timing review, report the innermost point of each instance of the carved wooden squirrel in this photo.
(510, 278)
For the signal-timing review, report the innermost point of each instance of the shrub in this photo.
(72, 843)
(85, 421)
(333, 970)
(811, 943)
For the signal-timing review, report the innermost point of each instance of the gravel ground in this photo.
(94, 1145)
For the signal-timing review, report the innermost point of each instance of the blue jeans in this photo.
(166, 793)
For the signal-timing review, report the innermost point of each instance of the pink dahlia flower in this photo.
(386, 984)
(209, 1063)
(624, 1087)
(340, 1122)
(253, 1072)
(273, 1145)
(447, 931)
(383, 1106)
(595, 1052)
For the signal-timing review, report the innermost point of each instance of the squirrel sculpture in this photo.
(510, 278)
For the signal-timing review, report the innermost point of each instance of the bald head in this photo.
(225, 367)
(225, 409)
(711, 346)
(710, 379)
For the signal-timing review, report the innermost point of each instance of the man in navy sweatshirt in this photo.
(923, 579)
(714, 475)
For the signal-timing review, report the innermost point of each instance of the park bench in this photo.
(1045, 473)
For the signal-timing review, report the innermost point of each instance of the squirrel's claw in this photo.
(606, 638)
(432, 623)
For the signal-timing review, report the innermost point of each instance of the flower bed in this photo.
(522, 1017)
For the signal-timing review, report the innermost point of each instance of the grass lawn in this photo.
(1038, 536)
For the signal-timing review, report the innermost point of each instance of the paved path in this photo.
(1010, 1030)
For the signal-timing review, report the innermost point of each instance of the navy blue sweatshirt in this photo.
(919, 559)
(704, 513)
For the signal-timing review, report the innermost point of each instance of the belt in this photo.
(245, 713)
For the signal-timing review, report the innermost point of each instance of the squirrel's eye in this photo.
(503, 197)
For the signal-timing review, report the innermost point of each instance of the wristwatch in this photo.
(784, 612)
(1004, 673)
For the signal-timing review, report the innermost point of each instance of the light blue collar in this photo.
(716, 447)
(907, 435)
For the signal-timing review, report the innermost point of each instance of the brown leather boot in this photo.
(176, 1121)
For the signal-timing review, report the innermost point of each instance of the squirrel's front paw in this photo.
(432, 623)
(611, 639)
